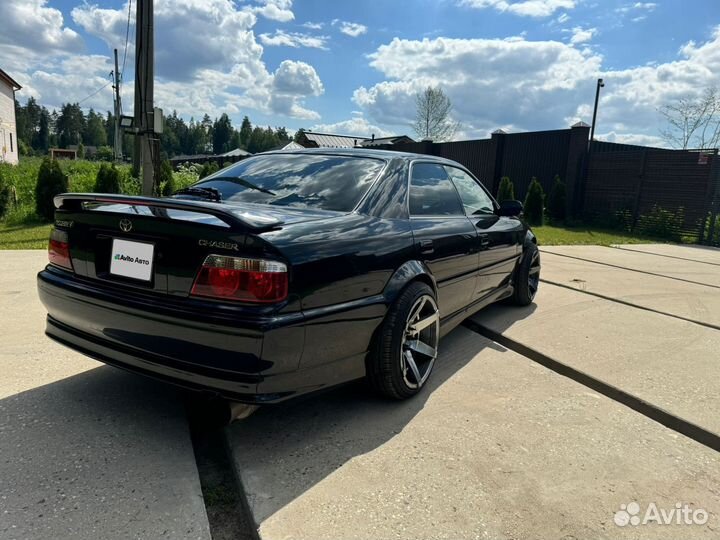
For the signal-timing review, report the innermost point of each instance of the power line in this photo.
(127, 35)
(95, 92)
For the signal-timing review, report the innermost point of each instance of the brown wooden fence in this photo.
(672, 193)
(668, 192)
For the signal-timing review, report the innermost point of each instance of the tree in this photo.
(43, 134)
(94, 133)
(221, 133)
(298, 135)
(245, 132)
(107, 179)
(165, 180)
(556, 201)
(506, 191)
(51, 181)
(70, 125)
(432, 118)
(534, 202)
(693, 123)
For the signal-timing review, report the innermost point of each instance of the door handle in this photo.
(426, 247)
(484, 240)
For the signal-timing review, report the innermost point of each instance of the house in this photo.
(311, 139)
(8, 129)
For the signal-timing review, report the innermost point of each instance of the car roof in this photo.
(366, 152)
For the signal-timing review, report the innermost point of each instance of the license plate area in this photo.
(132, 259)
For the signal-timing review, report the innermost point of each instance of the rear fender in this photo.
(409, 271)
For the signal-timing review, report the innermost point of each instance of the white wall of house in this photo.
(8, 130)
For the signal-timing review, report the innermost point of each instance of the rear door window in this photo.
(432, 193)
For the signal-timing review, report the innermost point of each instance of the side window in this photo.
(432, 193)
(474, 198)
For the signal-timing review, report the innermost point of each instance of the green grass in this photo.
(26, 236)
(549, 235)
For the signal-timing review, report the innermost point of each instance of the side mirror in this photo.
(510, 208)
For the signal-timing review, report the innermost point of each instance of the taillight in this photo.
(59, 250)
(245, 280)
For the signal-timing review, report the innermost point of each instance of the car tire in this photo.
(405, 347)
(527, 277)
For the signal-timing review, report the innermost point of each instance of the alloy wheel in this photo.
(420, 341)
(534, 274)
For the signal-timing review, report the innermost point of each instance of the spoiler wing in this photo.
(236, 217)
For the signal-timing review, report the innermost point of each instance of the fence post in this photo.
(713, 195)
(498, 140)
(575, 171)
(638, 190)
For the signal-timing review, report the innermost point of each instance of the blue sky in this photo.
(355, 67)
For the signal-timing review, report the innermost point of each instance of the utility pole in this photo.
(118, 112)
(144, 78)
(600, 84)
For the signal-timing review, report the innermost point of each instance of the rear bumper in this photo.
(252, 359)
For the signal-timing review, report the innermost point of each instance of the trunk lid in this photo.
(105, 231)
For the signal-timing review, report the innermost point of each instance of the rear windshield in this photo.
(299, 180)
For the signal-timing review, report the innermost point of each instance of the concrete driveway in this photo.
(500, 446)
(601, 394)
(86, 451)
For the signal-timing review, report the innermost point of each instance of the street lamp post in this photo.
(600, 84)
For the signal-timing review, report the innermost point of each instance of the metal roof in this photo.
(327, 140)
(236, 152)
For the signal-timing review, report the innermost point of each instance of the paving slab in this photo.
(671, 363)
(705, 254)
(678, 298)
(86, 451)
(686, 270)
(495, 447)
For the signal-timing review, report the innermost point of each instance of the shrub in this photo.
(209, 168)
(506, 191)
(556, 201)
(661, 223)
(108, 179)
(5, 198)
(533, 207)
(24, 148)
(186, 175)
(105, 153)
(227, 164)
(715, 239)
(165, 180)
(81, 151)
(51, 181)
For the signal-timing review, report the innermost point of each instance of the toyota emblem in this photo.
(125, 225)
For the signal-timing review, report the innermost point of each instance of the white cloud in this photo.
(294, 39)
(276, 10)
(207, 57)
(527, 8)
(33, 34)
(350, 28)
(530, 85)
(563, 18)
(637, 6)
(292, 82)
(354, 126)
(581, 35)
(73, 79)
(312, 25)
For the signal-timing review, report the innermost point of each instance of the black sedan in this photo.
(286, 273)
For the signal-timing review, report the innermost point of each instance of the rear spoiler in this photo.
(236, 217)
